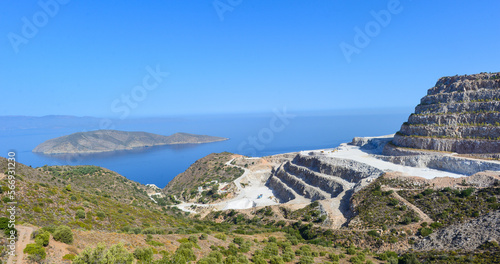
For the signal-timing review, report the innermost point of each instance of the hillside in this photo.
(112, 140)
(108, 201)
(206, 173)
(459, 114)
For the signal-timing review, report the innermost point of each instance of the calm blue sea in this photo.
(159, 165)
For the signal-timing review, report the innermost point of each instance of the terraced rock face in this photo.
(318, 178)
(459, 114)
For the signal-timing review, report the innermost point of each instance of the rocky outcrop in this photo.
(318, 177)
(113, 140)
(465, 236)
(459, 114)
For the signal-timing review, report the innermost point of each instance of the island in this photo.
(112, 140)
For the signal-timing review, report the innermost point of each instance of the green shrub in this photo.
(115, 254)
(408, 259)
(36, 252)
(221, 236)
(373, 233)
(238, 240)
(193, 239)
(333, 257)
(276, 260)
(467, 192)
(306, 260)
(42, 238)
(184, 253)
(63, 234)
(80, 214)
(351, 251)
(258, 259)
(436, 225)
(101, 214)
(69, 257)
(144, 255)
(424, 231)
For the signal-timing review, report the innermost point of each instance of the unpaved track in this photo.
(423, 216)
(24, 239)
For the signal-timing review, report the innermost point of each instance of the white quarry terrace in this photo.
(355, 153)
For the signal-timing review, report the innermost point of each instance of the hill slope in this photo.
(112, 140)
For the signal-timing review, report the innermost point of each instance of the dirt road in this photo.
(24, 239)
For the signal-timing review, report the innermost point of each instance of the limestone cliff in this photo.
(459, 114)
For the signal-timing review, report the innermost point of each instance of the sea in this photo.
(257, 135)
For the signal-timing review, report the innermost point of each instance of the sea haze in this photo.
(161, 164)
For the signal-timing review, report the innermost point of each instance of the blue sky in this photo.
(86, 59)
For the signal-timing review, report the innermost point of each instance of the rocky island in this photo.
(112, 140)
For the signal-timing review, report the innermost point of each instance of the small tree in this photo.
(63, 234)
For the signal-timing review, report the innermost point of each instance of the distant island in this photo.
(111, 140)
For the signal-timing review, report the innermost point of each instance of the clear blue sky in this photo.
(264, 54)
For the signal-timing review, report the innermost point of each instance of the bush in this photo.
(69, 257)
(258, 259)
(193, 239)
(333, 257)
(351, 251)
(221, 236)
(436, 225)
(116, 254)
(373, 233)
(276, 260)
(408, 259)
(306, 260)
(144, 255)
(63, 234)
(424, 231)
(184, 254)
(238, 240)
(467, 192)
(42, 238)
(101, 214)
(36, 252)
(80, 214)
